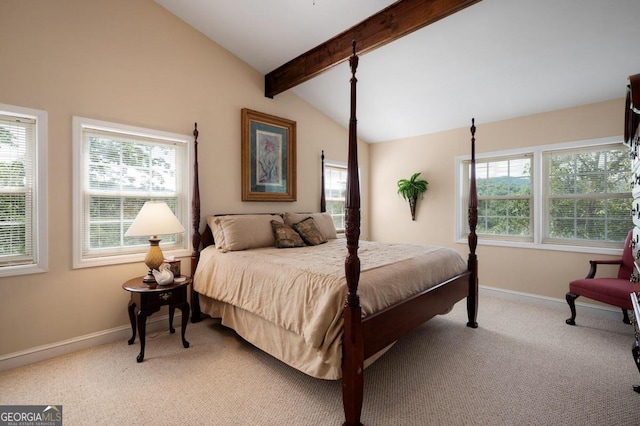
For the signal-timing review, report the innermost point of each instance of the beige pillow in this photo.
(242, 232)
(323, 221)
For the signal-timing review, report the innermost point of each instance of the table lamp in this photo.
(155, 218)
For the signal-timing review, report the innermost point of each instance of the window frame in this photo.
(342, 166)
(539, 215)
(80, 172)
(510, 197)
(607, 195)
(40, 201)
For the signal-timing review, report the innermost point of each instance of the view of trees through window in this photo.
(505, 197)
(584, 195)
(122, 175)
(589, 195)
(15, 191)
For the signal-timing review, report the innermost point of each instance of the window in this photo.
(23, 191)
(117, 169)
(335, 181)
(560, 197)
(587, 194)
(505, 197)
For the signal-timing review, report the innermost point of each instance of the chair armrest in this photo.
(594, 265)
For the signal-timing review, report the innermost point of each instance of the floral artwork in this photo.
(268, 158)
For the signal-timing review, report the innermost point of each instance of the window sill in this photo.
(552, 247)
(129, 258)
(12, 271)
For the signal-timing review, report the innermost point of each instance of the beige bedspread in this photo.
(302, 290)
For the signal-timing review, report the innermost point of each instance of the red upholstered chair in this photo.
(612, 291)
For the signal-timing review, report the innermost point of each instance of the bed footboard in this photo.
(385, 327)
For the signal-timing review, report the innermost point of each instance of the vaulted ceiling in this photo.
(495, 60)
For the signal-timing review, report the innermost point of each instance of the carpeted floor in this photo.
(522, 366)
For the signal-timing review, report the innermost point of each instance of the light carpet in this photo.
(522, 366)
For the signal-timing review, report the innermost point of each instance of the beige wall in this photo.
(131, 62)
(540, 272)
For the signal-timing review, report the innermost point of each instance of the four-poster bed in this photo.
(363, 329)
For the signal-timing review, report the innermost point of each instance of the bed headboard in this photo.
(201, 240)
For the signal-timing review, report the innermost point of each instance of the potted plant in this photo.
(411, 189)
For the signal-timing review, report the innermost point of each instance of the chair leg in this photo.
(571, 300)
(625, 316)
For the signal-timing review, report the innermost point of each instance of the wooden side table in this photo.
(149, 300)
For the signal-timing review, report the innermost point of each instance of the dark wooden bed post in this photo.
(353, 344)
(472, 299)
(195, 223)
(323, 196)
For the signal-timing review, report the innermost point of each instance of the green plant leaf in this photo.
(412, 187)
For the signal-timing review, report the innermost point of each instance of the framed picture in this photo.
(268, 157)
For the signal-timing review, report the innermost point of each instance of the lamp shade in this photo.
(155, 218)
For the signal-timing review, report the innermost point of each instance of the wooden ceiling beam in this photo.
(393, 22)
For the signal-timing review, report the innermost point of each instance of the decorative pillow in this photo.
(323, 221)
(244, 231)
(285, 236)
(309, 232)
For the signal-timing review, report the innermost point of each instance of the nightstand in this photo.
(149, 300)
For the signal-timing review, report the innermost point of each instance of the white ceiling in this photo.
(495, 60)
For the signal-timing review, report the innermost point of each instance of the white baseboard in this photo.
(52, 350)
(608, 312)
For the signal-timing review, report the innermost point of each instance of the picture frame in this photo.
(268, 157)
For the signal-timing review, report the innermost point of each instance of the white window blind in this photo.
(335, 193)
(23, 191)
(120, 170)
(17, 191)
(587, 195)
